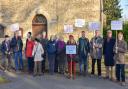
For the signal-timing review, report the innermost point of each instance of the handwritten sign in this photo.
(79, 22)
(116, 25)
(94, 26)
(68, 28)
(71, 49)
(15, 27)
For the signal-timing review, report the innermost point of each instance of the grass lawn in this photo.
(3, 80)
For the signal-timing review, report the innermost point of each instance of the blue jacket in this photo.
(5, 47)
(51, 47)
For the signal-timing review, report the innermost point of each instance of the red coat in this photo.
(29, 48)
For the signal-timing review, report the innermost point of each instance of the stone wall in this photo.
(57, 12)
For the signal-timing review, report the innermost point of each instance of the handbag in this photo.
(35, 52)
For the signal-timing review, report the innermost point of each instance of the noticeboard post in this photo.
(71, 49)
(116, 25)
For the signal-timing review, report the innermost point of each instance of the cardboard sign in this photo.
(68, 28)
(94, 26)
(15, 27)
(116, 25)
(71, 49)
(79, 23)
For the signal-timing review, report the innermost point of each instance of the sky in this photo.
(124, 6)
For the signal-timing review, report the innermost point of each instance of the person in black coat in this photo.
(109, 43)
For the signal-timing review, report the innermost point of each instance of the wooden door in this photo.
(39, 25)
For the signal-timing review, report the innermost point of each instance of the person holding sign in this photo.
(108, 53)
(96, 45)
(83, 50)
(120, 49)
(71, 59)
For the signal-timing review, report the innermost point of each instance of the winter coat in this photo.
(108, 52)
(38, 51)
(16, 44)
(29, 48)
(51, 47)
(83, 46)
(120, 54)
(96, 51)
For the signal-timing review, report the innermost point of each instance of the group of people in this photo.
(40, 49)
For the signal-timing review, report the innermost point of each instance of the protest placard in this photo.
(79, 22)
(94, 26)
(116, 25)
(15, 27)
(68, 28)
(71, 49)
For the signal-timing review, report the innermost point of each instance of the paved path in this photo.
(57, 81)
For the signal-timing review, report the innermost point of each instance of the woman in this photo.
(61, 54)
(120, 49)
(71, 59)
(28, 52)
(37, 53)
(51, 50)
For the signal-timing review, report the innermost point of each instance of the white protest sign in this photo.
(94, 26)
(68, 28)
(116, 25)
(71, 49)
(79, 22)
(15, 27)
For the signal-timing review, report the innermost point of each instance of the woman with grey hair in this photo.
(120, 49)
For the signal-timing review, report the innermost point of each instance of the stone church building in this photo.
(48, 16)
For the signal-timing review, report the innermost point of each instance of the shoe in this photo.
(100, 77)
(123, 84)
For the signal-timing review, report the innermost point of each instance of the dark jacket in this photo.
(108, 51)
(16, 44)
(51, 47)
(5, 47)
(122, 49)
(84, 46)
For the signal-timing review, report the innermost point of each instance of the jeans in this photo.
(120, 72)
(18, 60)
(98, 66)
(83, 61)
(51, 60)
(30, 64)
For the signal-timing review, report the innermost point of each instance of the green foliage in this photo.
(112, 11)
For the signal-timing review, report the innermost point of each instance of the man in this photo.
(28, 52)
(17, 45)
(109, 43)
(96, 45)
(5, 48)
(83, 50)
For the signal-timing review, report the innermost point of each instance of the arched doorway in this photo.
(39, 25)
